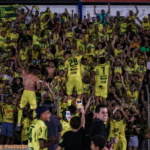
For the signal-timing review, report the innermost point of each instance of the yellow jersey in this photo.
(73, 64)
(43, 24)
(134, 96)
(65, 126)
(80, 45)
(25, 130)
(70, 36)
(43, 47)
(5, 45)
(102, 73)
(145, 25)
(37, 132)
(61, 67)
(36, 40)
(23, 54)
(118, 70)
(2, 40)
(35, 55)
(14, 37)
(8, 113)
(123, 28)
(131, 17)
(117, 52)
(86, 88)
(100, 26)
(138, 68)
(130, 70)
(59, 54)
(100, 53)
(22, 26)
(92, 47)
(118, 130)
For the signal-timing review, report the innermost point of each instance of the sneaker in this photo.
(18, 128)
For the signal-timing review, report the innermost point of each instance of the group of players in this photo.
(74, 63)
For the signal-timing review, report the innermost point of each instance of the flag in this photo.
(7, 10)
(46, 13)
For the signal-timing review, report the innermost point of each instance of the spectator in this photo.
(74, 139)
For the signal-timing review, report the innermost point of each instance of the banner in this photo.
(7, 10)
(121, 1)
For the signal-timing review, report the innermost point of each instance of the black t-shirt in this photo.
(25, 38)
(130, 128)
(73, 140)
(16, 87)
(98, 128)
(78, 31)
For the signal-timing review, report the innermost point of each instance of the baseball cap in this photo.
(40, 110)
(145, 17)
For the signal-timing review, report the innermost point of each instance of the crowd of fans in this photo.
(79, 65)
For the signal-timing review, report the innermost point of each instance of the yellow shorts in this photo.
(120, 145)
(101, 91)
(28, 97)
(74, 82)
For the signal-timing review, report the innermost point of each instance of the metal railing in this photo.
(148, 101)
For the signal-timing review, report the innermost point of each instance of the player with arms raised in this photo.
(73, 75)
(30, 81)
(101, 78)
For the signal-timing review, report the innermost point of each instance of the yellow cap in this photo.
(145, 17)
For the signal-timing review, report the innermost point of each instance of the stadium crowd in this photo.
(81, 77)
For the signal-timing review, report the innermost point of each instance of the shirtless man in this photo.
(22, 14)
(30, 81)
(51, 70)
(36, 14)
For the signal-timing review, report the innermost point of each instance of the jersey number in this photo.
(73, 62)
(103, 70)
(30, 134)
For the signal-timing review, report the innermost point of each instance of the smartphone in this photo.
(65, 20)
(40, 81)
(79, 104)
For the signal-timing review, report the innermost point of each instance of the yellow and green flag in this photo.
(4, 9)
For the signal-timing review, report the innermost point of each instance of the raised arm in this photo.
(37, 84)
(139, 20)
(82, 117)
(32, 10)
(133, 57)
(108, 8)
(137, 11)
(51, 92)
(123, 83)
(95, 10)
(27, 10)
(19, 62)
(14, 10)
(124, 114)
(113, 44)
(89, 101)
